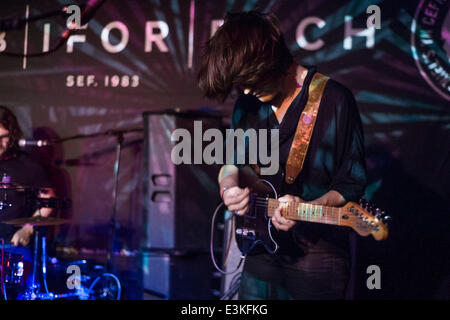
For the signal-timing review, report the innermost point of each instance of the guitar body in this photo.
(255, 232)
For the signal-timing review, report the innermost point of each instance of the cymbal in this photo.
(37, 221)
(11, 186)
(17, 187)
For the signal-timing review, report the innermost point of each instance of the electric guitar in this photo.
(255, 227)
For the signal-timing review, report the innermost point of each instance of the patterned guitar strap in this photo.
(305, 128)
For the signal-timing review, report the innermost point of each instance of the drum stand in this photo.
(113, 224)
(33, 290)
(113, 221)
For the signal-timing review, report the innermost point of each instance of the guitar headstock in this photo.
(365, 220)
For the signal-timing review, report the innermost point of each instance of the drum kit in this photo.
(18, 282)
(96, 283)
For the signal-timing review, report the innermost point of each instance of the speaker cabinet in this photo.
(179, 277)
(179, 200)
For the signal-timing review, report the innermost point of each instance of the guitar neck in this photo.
(305, 212)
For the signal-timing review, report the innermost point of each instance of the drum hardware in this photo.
(120, 137)
(104, 286)
(32, 292)
(112, 288)
(16, 187)
(12, 269)
(54, 203)
(6, 185)
(37, 221)
(4, 204)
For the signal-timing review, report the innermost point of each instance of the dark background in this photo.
(406, 120)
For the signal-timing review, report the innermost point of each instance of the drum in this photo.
(12, 269)
(15, 266)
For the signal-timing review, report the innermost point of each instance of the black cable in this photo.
(211, 244)
(88, 12)
(19, 23)
(233, 288)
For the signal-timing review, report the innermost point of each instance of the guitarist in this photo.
(248, 53)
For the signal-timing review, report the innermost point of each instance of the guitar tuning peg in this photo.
(377, 213)
(362, 200)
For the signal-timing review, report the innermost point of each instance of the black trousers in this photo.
(314, 276)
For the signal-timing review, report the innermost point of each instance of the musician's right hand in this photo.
(237, 200)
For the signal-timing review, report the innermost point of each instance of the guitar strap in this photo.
(305, 128)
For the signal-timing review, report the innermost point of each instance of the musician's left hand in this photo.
(22, 236)
(278, 221)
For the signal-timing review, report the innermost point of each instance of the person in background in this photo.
(19, 169)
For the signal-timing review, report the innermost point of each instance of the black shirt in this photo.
(23, 171)
(334, 161)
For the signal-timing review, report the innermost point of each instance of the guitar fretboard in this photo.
(303, 211)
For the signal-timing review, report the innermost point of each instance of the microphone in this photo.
(34, 143)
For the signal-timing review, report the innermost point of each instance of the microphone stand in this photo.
(119, 134)
(113, 222)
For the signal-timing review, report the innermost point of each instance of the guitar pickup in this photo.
(245, 232)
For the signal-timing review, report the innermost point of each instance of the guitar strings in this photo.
(329, 215)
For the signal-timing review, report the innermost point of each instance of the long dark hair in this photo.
(9, 121)
(247, 51)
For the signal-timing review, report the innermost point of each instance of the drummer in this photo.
(20, 177)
